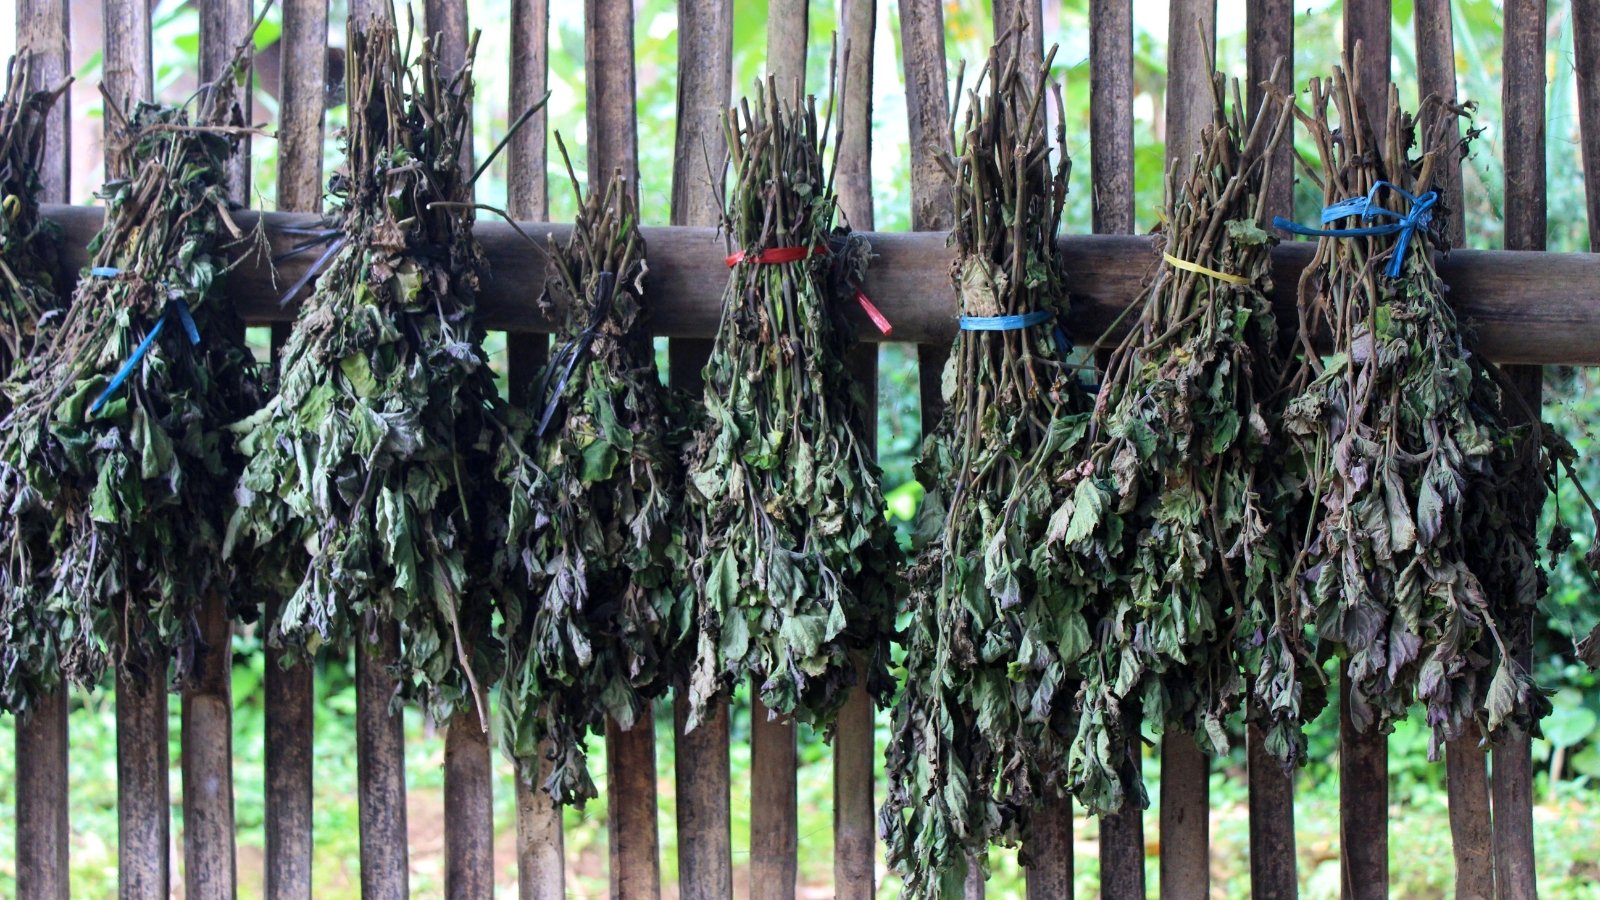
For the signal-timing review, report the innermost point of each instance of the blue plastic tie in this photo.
(1405, 224)
(105, 271)
(117, 380)
(1005, 323)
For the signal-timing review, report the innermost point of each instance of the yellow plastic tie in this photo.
(1202, 270)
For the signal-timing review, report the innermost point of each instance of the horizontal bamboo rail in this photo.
(1527, 307)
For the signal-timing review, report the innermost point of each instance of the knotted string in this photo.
(1405, 224)
(187, 321)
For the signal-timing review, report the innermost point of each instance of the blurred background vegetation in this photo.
(1566, 816)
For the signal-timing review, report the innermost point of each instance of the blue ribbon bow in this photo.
(1405, 224)
(187, 321)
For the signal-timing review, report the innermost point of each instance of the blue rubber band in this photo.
(1406, 224)
(187, 321)
(1005, 323)
(105, 271)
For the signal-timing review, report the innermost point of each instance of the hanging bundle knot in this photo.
(1405, 224)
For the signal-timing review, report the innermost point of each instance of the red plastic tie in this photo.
(873, 313)
(777, 255)
(773, 256)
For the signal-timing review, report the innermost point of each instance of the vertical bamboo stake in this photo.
(854, 741)
(1185, 864)
(705, 79)
(1523, 104)
(788, 22)
(1364, 757)
(290, 691)
(774, 826)
(1363, 806)
(468, 772)
(932, 206)
(210, 869)
(144, 821)
(540, 844)
(1466, 762)
(1111, 177)
(1030, 27)
(380, 724)
(1367, 24)
(43, 832)
(614, 148)
(380, 766)
(1270, 24)
(1586, 50)
(1048, 850)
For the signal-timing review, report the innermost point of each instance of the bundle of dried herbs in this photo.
(370, 483)
(996, 629)
(796, 562)
(116, 447)
(595, 537)
(1182, 493)
(1419, 557)
(29, 302)
(27, 240)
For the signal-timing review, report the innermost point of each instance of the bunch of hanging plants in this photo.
(796, 564)
(1419, 564)
(996, 629)
(115, 450)
(1182, 493)
(370, 483)
(594, 534)
(29, 303)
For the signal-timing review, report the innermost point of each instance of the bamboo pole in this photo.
(705, 76)
(540, 843)
(854, 743)
(774, 820)
(1364, 756)
(774, 826)
(380, 723)
(1363, 806)
(1367, 24)
(144, 821)
(380, 766)
(210, 866)
(1466, 762)
(1586, 52)
(290, 690)
(788, 22)
(43, 831)
(1270, 49)
(468, 770)
(932, 205)
(1523, 102)
(1185, 865)
(1529, 307)
(1111, 171)
(614, 148)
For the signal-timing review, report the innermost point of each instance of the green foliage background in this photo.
(1566, 816)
